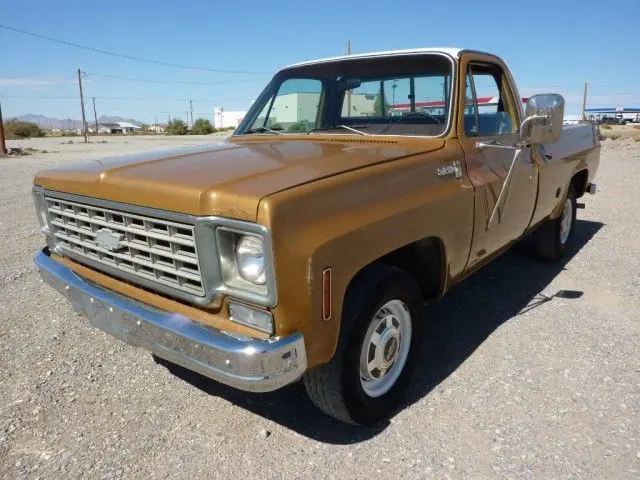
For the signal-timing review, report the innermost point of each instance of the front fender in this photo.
(349, 221)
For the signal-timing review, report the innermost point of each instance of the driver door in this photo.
(492, 112)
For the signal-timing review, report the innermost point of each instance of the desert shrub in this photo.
(606, 127)
(636, 127)
(202, 126)
(176, 127)
(15, 128)
(614, 137)
(21, 152)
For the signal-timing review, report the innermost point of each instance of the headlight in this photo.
(246, 263)
(250, 259)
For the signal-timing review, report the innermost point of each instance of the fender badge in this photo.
(454, 168)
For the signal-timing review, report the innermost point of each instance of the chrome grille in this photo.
(150, 248)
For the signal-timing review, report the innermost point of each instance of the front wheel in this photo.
(365, 380)
(551, 239)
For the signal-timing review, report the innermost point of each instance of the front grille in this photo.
(149, 248)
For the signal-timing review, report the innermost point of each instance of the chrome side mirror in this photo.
(543, 119)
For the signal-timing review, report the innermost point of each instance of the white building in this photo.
(118, 127)
(294, 107)
(156, 128)
(224, 119)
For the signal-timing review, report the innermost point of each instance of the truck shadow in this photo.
(457, 325)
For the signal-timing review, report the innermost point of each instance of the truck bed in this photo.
(574, 139)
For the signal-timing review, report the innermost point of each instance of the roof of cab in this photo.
(453, 52)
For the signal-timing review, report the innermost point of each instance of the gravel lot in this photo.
(529, 370)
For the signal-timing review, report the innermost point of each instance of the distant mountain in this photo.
(110, 119)
(50, 123)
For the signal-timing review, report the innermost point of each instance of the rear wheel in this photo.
(365, 380)
(551, 239)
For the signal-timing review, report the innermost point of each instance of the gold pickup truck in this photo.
(304, 246)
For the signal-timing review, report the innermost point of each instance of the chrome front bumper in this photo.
(249, 364)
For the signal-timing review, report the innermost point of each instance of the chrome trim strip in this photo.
(205, 238)
(249, 364)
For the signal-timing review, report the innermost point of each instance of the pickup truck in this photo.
(355, 190)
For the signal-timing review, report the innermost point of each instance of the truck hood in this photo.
(225, 179)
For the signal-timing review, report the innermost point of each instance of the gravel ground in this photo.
(529, 370)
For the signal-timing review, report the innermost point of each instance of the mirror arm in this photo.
(524, 126)
(502, 198)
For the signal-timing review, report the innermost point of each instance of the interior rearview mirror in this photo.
(349, 84)
(543, 119)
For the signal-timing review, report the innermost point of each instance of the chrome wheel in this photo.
(385, 348)
(565, 221)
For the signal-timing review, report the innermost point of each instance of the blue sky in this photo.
(549, 45)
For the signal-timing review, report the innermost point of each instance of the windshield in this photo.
(391, 95)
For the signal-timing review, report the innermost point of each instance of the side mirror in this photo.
(544, 116)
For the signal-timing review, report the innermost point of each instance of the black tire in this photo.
(336, 387)
(547, 241)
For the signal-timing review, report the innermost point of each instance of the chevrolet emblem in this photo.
(108, 239)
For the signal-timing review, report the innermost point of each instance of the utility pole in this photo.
(84, 119)
(349, 91)
(3, 145)
(191, 110)
(95, 115)
(584, 103)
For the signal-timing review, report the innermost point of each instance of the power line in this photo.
(54, 97)
(168, 82)
(128, 57)
(39, 96)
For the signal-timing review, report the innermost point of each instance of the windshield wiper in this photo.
(263, 129)
(335, 127)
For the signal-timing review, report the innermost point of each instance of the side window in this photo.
(491, 102)
(470, 110)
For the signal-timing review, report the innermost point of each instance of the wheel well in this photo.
(579, 182)
(424, 260)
